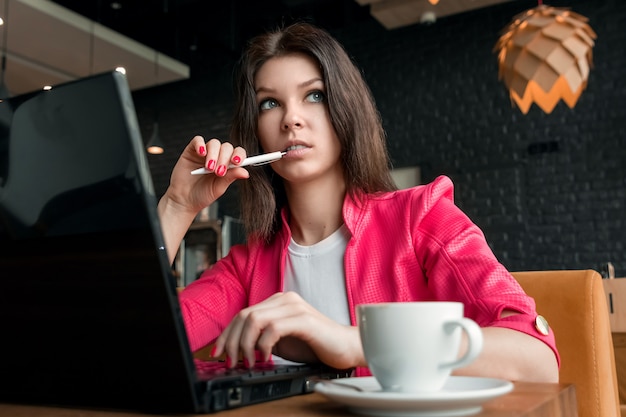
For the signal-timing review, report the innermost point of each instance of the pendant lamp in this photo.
(544, 56)
(155, 145)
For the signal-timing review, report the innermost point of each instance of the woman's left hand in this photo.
(289, 327)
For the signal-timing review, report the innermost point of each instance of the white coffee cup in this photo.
(414, 346)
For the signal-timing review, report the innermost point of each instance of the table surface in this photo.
(526, 400)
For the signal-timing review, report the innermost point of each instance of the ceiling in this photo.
(393, 14)
(159, 41)
(194, 31)
(46, 44)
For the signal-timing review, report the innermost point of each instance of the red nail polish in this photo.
(221, 170)
(211, 165)
(213, 351)
(236, 159)
(202, 150)
(229, 362)
(246, 362)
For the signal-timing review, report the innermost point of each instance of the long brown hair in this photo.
(353, 114)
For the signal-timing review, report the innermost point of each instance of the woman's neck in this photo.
(315, 209)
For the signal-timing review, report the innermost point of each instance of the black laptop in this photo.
(89, 314)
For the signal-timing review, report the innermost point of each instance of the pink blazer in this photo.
(408, 245)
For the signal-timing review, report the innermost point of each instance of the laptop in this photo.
(89, 314)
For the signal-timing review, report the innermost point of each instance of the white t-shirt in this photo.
(316, 272)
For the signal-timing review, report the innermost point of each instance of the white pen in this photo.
(266, 158)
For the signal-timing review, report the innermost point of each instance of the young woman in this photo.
(327, 229)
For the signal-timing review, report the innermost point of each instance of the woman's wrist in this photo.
(357, 349)
(168, 208)
(175, 221)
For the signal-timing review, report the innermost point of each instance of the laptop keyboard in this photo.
(212, 369)
(238, 386)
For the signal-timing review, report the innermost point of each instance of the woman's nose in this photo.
(291, 125)
(292, 118)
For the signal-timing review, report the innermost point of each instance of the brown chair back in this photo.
(574, 303)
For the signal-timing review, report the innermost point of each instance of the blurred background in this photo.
(548, 190)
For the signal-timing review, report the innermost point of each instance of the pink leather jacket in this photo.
(408, 245)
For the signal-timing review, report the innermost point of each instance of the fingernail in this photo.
(211, 165)
(202, 150)
(246, 362)
(213, 350)
(229, 362)
(236, 159)
(221, 170)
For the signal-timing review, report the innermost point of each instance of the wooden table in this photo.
(526, 400)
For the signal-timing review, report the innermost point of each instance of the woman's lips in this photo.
(295, 150)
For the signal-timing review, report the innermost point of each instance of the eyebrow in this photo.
(301, 85)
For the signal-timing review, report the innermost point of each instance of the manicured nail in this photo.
(213, 350)
(266, 360)
(229, 362)
(211, 165)
(221, 170)
(202, 150)
(236, 159)
(246, 362)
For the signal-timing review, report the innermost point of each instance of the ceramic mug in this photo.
(414, 346)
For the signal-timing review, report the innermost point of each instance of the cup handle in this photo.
(474, 342)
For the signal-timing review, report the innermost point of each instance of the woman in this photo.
(326, 228)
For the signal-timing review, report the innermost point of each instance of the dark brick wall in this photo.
(445, 110)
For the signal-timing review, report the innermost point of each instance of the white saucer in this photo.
(461, 396)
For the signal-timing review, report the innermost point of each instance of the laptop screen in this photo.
(88, 307)
(68, 162)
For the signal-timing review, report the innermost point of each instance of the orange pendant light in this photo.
(545, 55)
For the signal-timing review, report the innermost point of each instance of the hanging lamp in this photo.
(155, 145)
(544, 56)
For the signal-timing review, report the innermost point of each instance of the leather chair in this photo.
(574, 303)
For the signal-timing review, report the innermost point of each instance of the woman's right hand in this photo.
(187, 194)
(195, 192)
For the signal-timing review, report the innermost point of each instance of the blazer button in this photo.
(541, 324)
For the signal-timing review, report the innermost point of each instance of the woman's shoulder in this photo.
(425, 195)
(409, 204)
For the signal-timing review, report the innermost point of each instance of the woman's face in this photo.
(294, 117)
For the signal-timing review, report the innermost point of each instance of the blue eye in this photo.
(316, 97)
(268, 104)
